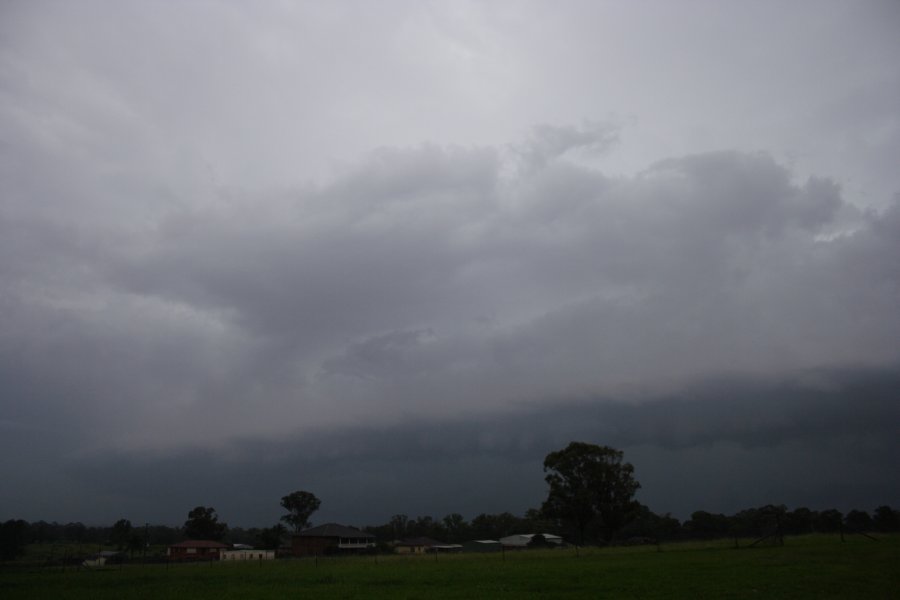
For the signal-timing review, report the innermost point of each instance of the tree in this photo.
(270, 537)
(14, 536)
(828, 521)
(120, 534)
(203, 524)
(886, 519)
(74, 532)
(455, 527)
(590, 485)
(703, 524)
(799, 521)
(399, 524)
(650, 526)
(300, 506)
(858, 520)
(135, 542)
(494, 527)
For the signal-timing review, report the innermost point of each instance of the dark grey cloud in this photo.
(430, 281)
(821, 439)
(210, 235)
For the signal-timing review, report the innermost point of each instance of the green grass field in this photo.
(806, 567)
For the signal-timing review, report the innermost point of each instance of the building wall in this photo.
(194, 553)
(310, 545)
(248, 555)
(313, 546)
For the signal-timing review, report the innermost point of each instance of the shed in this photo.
(421, 545)
(483, 546)
(522, 540)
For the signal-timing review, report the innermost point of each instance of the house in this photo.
(513, 542)
(247, 554)
(331, 538)
(196, 550)
(421, 545)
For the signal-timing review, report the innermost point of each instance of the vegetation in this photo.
(300, 506)
(14, 536)
(203, 524)
(590, 486)
(590, 501)
(812, 566)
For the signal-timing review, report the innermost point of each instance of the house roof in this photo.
(485, 541)
(524, 539)
(199, 544)
(335, 530)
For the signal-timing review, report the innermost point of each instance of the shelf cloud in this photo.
(229, 261)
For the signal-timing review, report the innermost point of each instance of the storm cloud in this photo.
(229, 265)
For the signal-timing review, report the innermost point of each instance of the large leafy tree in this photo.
(300, 506)
(590, 485)
(203, 524)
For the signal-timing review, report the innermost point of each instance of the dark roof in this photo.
(199, 544)
(335, 530)
(420, 541)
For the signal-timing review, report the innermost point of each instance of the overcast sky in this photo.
(394, 253)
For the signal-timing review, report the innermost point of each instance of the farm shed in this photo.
(421, 545)
(482, 546)
(522, 540)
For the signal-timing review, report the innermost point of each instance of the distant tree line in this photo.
(645, 525)
(590, 500)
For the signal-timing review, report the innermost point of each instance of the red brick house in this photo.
(197, 550)
(331, 538)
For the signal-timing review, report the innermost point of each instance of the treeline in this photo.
(643, 526)
(761, 521)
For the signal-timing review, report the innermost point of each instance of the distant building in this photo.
(421, 545)
(522, 540)
(247, 554)
(331, 538)
(103, 558)
(483, 546)
(197, 550)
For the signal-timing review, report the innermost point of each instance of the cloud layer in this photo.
(434, 281)
(434, 284)
(215, 240)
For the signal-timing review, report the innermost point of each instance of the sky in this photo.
(395, 253)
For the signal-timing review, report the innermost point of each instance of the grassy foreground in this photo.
(806, 567)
